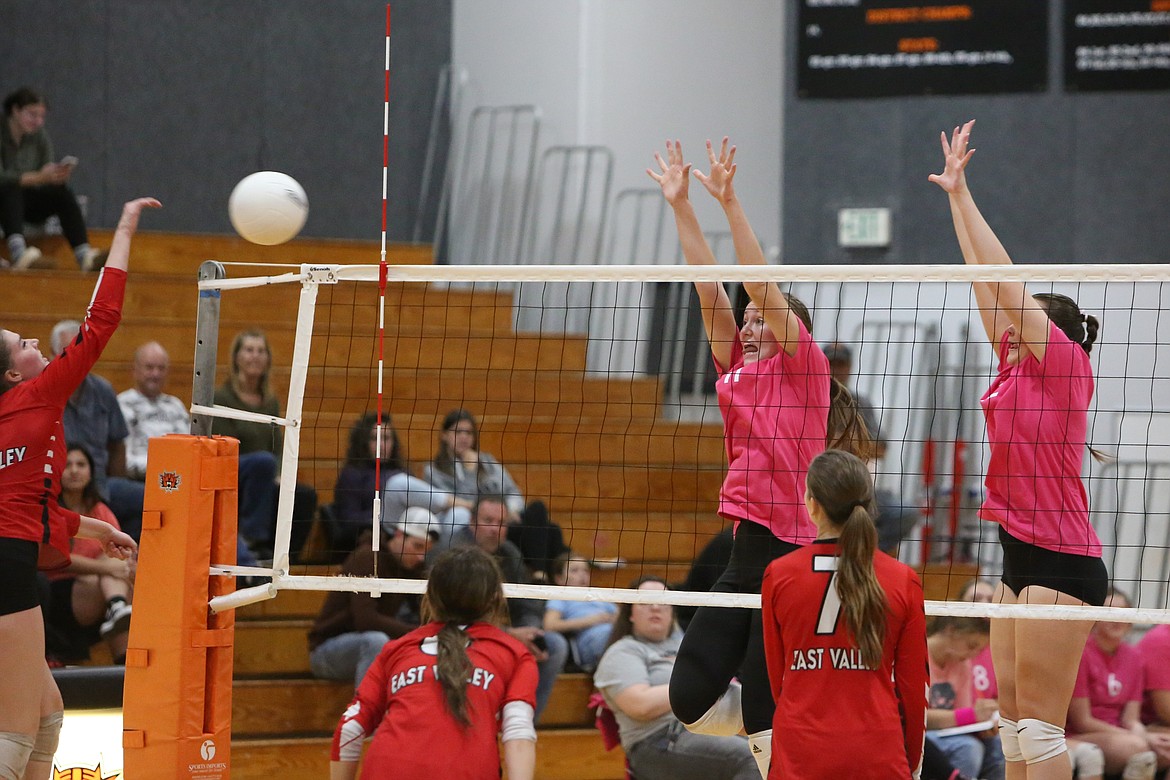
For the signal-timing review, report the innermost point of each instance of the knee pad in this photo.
(1141, 766)
(761, 747)
(14, 752)
(725, 718)
(1010, 740)
(1039, 740)
(1087, 760)
(48, 735)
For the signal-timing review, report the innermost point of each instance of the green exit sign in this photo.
(869, 227)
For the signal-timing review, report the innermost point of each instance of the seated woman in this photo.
(951, 643)
(34, 185)
(353, 494)
(90, 598)
(261, 445)
(634, 678)
(460, 468)
(1106, 702)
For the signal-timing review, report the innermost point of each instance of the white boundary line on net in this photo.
(632, 596)
(1064, 272)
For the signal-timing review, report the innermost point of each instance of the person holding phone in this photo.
(35, 186)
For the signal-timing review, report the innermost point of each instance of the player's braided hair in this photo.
(465, 586)
(839, 481)
(1064, 312)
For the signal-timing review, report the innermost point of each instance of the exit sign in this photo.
(863, 227)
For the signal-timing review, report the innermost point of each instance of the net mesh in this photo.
(594, 387)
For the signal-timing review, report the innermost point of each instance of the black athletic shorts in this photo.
(751, 552)
(1080, 576)
(18, 575)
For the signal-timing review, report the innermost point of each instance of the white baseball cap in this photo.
(418, 522)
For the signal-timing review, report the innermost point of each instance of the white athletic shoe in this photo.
(117, 618)
(93, 259)
(31, 257)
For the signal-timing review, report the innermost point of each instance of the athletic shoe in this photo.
(94, 259)
(117, 618)
(30, 258)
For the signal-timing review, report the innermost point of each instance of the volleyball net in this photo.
(594, 386)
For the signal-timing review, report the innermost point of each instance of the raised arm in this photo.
(718, 320)
(1003, 303)
(120, 247)
(784, 324)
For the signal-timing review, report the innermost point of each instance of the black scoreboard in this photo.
(1116, 44)
(883, 48)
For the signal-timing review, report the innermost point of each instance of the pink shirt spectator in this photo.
(1109, 682)
(1155, 652)
(950, 686)
(1037, 418)
(775, 415)
(983, 684)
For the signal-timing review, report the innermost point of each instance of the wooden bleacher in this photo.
(622, 481)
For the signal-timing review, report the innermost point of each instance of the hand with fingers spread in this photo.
(719, 181)
(957, 154)
(675, 178)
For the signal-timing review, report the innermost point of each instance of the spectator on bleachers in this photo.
(586, 624)
(1106, 703)
(351, 628)
(93, 419)
(89, 599)
(148, 411)
(895, 518)
(951, 643)
(634, 678)
(261, 445)
(459, 467)
(1155, 651)
(34, 185)
(551, 649)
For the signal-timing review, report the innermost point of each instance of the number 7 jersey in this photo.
(834, 716)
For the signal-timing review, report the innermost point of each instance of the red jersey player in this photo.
(845, 634)
(436, 699)
(33, 394)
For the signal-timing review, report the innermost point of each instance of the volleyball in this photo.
(268, 207)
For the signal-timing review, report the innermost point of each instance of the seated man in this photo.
(551, 650)
(93, 419)
(147, 410)
(351, 628)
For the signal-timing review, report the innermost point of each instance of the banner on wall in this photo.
(887, 48)
(1116, 45)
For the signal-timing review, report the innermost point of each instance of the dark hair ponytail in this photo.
(846, 429)
(839, 481)
(1065, 314)
(465, 586)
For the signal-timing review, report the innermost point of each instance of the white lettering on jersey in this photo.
(1114, 686)
(411, 676)
(12, 455)
(809, 659)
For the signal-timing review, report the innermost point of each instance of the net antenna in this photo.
(1119, 378)
(376, 516)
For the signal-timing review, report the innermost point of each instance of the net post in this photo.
(206, 347)
(178, 690)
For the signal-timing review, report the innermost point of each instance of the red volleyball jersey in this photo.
(775, 417)
(825, 697)
(32, 439)
(401, 702)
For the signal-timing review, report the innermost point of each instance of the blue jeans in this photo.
(257, 494)
(347, 656)
(125, 502)
(589, 644)
(972, 755)
(548, 669)
(676, 754)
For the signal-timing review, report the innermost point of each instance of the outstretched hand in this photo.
(718, 181)
(953, 179)
(133, 209)
(675, 178)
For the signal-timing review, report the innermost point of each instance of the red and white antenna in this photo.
(376, 520)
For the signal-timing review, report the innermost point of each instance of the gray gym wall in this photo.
(1061, 177)
(181, 99)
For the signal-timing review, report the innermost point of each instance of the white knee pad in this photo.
(48, 735)
(725, 718)
(761, 747)
(1010, 739)
(14, 752)
(1087, 760)
(1039, 740)
(1141, 766)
